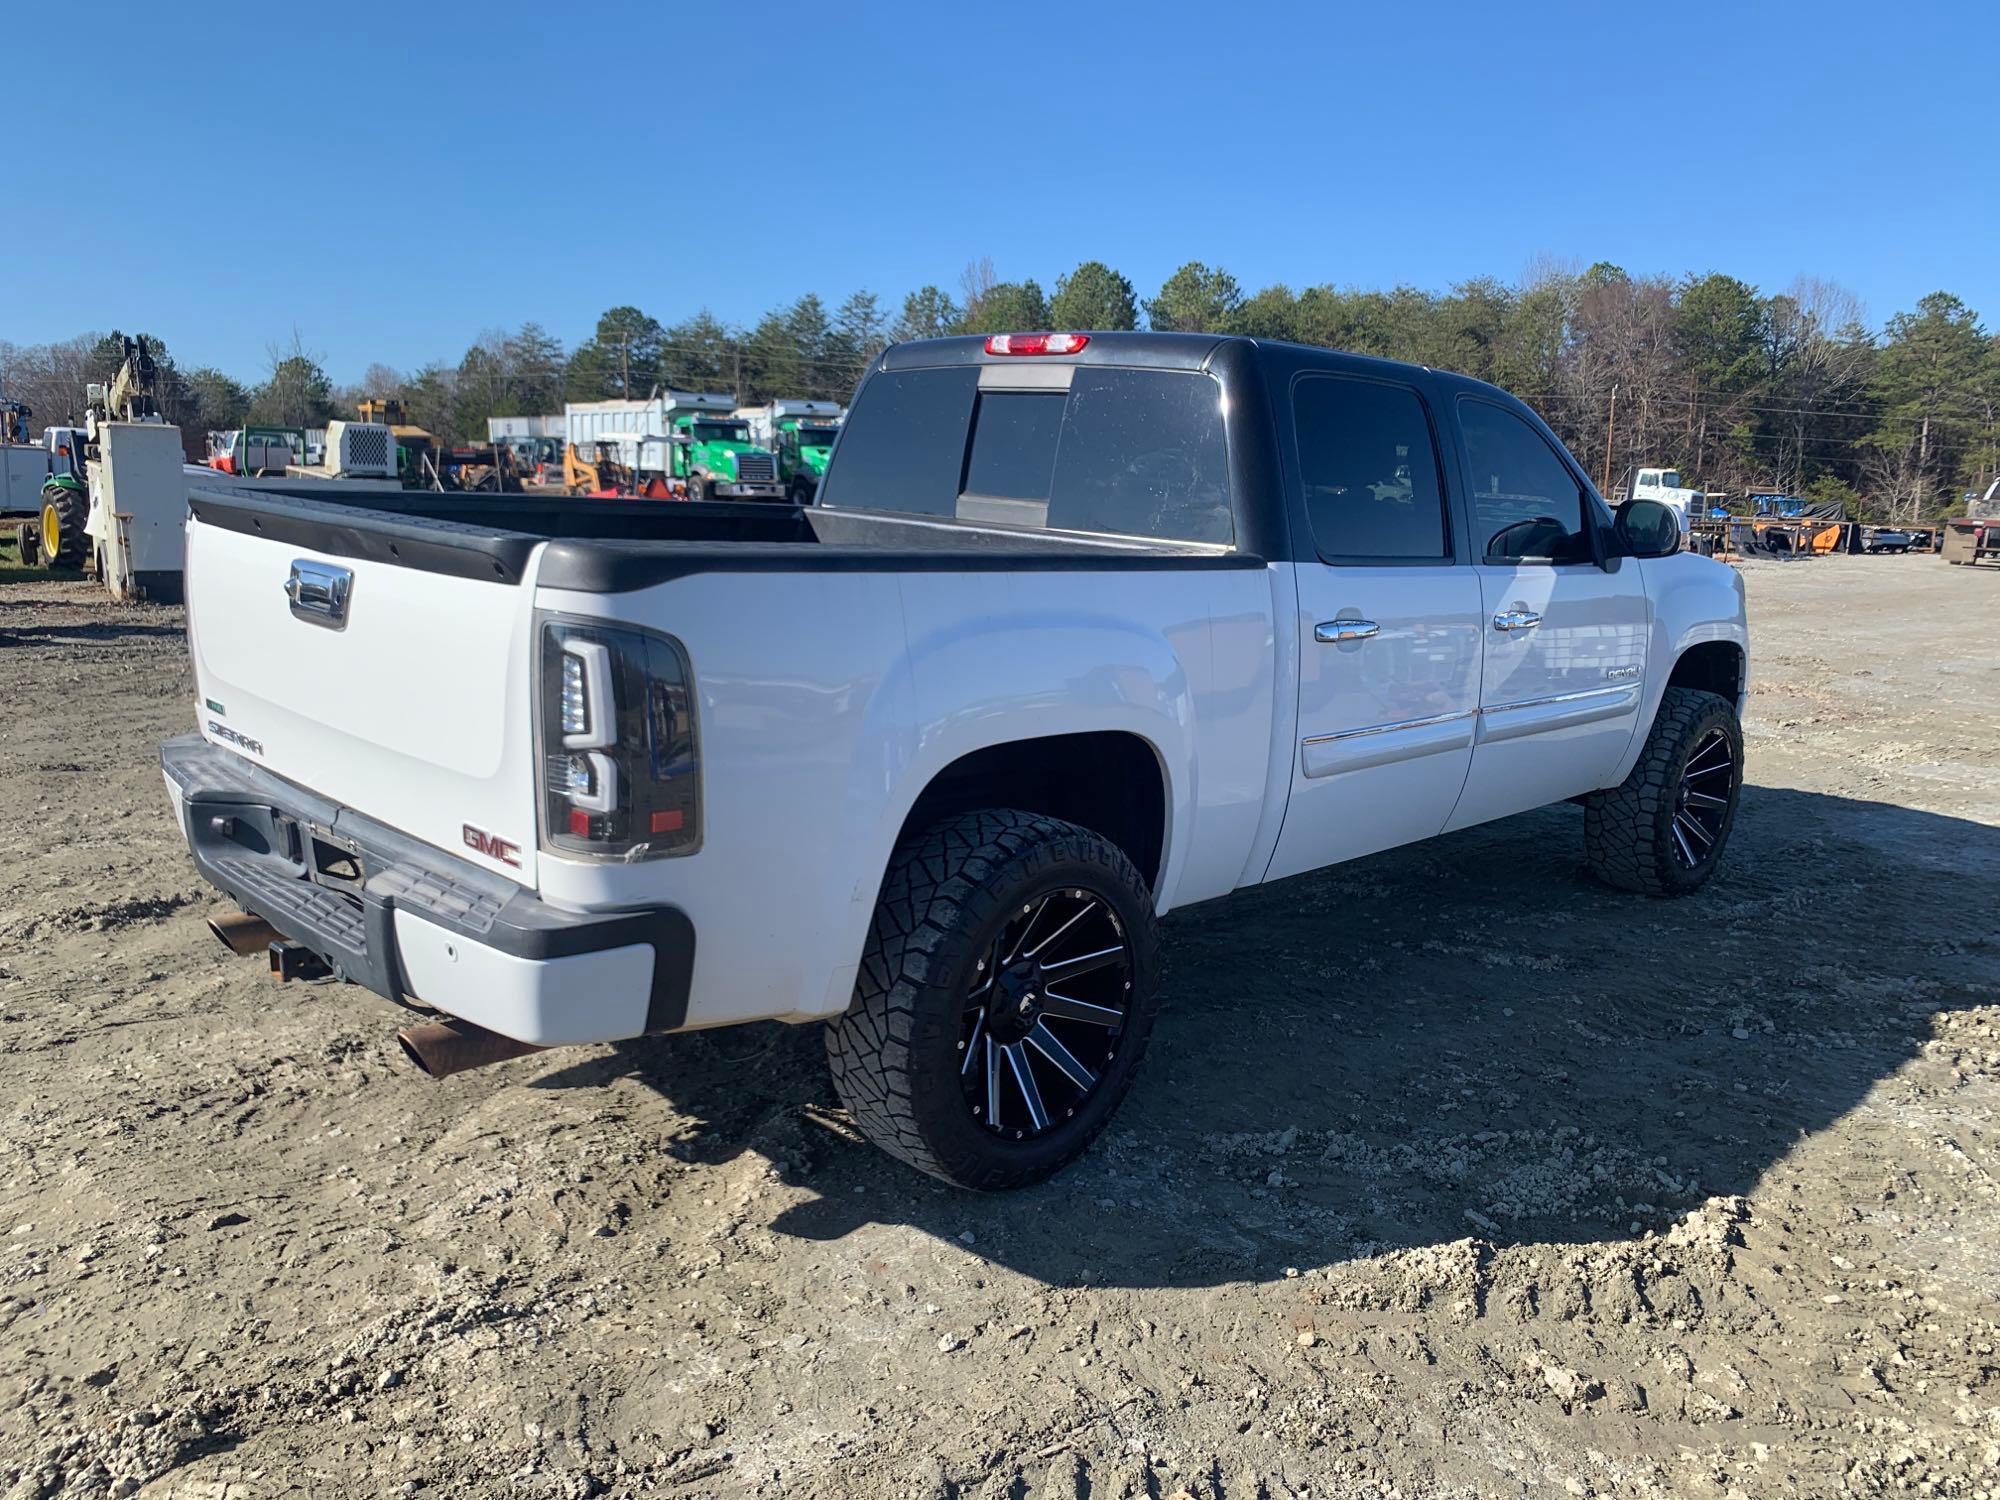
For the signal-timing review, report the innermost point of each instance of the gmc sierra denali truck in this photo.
(1082, 629)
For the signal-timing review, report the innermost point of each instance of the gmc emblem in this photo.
(492, 846)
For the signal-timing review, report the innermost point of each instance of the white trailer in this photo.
(23, 471)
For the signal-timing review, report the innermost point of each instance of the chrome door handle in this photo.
(319, 592)
(1334, 632)
(1516, 619)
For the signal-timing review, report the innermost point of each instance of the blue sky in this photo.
(391, 191)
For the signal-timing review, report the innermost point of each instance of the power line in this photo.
(1841, 410)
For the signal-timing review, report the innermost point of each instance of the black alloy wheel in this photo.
(1044, 1016)
(1702, 802)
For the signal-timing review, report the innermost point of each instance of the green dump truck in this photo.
(709, 449)
(801, 433)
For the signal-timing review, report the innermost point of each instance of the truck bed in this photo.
(609, 546)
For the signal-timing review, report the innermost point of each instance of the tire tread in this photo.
(940, 884)
(1622, 835)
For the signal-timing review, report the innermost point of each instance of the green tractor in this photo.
(65, 508)
(59, 533)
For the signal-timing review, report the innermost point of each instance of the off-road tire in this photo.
(894, 1054)
(28, 542)
(1628, 830)
(71, 510)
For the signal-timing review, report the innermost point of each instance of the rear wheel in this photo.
(1004, 1001)
(63, 513)
(1663, 829)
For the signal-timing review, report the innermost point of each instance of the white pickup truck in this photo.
(1082, 629)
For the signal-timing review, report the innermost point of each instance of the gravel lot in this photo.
(1451, 1173)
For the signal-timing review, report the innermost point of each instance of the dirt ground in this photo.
(1451, 1173)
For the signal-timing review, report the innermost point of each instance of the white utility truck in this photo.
(1083, 629)
(1664, 486)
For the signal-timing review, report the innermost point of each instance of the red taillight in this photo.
(621, 767)
(1035, 343)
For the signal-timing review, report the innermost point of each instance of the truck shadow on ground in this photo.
(92, 632)
(1468, 1037)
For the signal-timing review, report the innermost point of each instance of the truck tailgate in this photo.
(414, 709)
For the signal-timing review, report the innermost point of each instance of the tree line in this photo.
(1737, 388)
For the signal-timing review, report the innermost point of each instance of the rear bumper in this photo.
(421, 924)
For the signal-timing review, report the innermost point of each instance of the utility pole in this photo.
(1923, 470)
(1610, 437)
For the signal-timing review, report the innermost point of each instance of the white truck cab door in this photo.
(1390, 629)
(1562, 677)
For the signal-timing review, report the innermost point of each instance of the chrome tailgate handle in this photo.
(1516, 619)
(1334, 632)
(319, 592)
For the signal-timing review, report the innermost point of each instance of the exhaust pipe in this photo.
(243, 934)
(442, 1048)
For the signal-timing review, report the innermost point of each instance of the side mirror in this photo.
(1646, 528)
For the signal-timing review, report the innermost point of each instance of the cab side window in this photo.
(1525, 503)
(1369, 470)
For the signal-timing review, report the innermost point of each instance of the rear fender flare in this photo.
(974, 687)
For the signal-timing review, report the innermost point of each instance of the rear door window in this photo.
(1369, 471)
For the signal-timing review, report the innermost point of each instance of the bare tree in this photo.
(49, 378)
(975, 285)
(1896, 481)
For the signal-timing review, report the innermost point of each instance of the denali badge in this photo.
(493, 846)
(243, 741)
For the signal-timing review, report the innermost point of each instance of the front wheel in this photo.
(1663, 829)
(1005, 997)
(697, 487)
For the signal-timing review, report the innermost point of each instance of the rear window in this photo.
(1123, 452)
(1014, 441)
